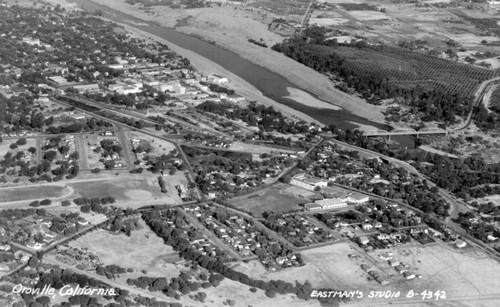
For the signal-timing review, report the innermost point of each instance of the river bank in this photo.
(208, 67)
(229, 29)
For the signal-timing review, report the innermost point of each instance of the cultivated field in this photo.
(278, 198)
(32, 193)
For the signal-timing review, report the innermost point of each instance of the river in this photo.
(270, 84)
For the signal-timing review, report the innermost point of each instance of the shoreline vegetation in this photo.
(312, 83)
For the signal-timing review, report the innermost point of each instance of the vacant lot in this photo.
(465, 276)
(276, 198)
(4, 146)
(326, 266)
(32, 193)
(143, 250)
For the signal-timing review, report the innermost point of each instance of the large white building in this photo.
(308, 182)
(331, 203)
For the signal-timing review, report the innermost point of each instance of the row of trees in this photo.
(214, 264)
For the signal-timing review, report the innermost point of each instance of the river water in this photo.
(268, 83)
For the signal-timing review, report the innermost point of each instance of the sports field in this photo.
(278, 198)
(32, 193)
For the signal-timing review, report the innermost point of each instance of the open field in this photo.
(4, 146)
(240, 293)
(132, 190)
(465, 276)
(143, 250)
(368, 15)
(121, 189)
(32, 193)
(255, 149)
(277, 198)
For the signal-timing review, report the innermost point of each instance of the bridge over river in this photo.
(406, 132)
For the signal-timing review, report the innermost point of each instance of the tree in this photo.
(33, 262)
(21, 142)
(32, 150)
(96, 171)
(45, 202)
(109, 164)
(65, 203)
(85, 208)
(75, 155)
(13, 146)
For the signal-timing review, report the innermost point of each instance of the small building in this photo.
(215, 78)
(89, 88)
(312, 207)
(358, 198)
(367, 226)
(364, 240)
(460, 243)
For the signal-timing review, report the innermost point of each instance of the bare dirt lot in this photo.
(465, 276)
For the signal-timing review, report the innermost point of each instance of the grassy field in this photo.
(278, 198)
(132, 190)
(4, 146)
(31, 193)
(143, 250)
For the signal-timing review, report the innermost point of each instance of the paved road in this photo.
(127, 150)
(82, 149)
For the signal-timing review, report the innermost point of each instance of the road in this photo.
(82, 149)
(194, 222)
(479, 95)
(127, 151)
(456, 206)
(119, 124)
